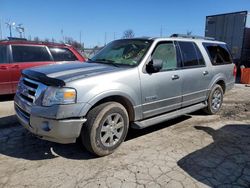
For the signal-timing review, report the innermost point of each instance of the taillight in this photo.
(235, 71)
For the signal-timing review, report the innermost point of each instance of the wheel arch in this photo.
(220, 81)
(126, 101)
(222, 84)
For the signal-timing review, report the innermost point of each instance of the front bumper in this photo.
(55, 130)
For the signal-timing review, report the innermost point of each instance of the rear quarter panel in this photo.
(218, 72)
(225, 73)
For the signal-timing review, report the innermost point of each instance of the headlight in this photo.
(54, 95)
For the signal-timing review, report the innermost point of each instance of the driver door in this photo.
(161, 91)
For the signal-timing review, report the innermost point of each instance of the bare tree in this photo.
(71, 41)
(189, 33)
(46, 40)
(128, 34)
(36, 39)
(53, 40)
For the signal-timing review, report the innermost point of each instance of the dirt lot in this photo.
(191, 151)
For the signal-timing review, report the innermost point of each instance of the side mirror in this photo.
(155, 65)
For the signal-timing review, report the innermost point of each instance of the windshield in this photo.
(123, 52)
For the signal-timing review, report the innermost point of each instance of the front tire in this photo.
(105, 129)
(215, 100)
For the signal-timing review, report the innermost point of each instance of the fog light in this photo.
(45, 126)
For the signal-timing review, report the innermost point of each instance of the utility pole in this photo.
(1, 33)
(161, 31)
(81, 37)
(9, 25)
(114, 35)
(62, 36)
(105, 38)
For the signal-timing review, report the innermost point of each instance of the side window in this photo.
(218, 53)
(62, 54)
(167, 53)
(3, 54)
(191, 56)
(30, 54)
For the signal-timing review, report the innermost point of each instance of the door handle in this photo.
(15, 66)
(175, 77)
(205, 73)
(3, 67)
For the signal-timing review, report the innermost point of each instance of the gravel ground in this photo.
(191, 151)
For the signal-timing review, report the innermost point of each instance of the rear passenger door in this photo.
(26, 56)
(195, 74)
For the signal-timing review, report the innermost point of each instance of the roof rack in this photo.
(16, 38)
(24, 40)
(191, 36)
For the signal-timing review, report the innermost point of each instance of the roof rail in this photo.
(16, 38)
(191, 36)
(24, 40)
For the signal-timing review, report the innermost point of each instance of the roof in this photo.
(188, 39)
(240, 12)
(179, 37)
(32, 43)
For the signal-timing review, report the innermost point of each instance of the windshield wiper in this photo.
(105, 61)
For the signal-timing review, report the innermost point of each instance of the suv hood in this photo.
(58, 75)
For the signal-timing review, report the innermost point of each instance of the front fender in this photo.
(126, 92)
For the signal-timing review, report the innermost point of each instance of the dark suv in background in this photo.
(16, 55)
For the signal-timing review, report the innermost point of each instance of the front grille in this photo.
(24, 114)
(27, 90)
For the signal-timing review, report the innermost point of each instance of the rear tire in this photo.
(215, 100)
(105, 129)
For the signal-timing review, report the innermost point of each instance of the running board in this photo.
(171, 115)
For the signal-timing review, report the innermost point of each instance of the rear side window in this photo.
(191, 55)
(62, 54)
(3, 54)
(30, 54)
(218, 53)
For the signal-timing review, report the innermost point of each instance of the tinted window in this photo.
(218, 53)
(62, 54)
(3, 54)
(167, 53)
(190, 56)
(30, 54)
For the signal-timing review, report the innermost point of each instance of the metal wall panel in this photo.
(228, 28)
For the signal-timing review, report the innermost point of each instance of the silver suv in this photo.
(129, 83)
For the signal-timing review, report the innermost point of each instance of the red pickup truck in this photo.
(16, 55)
